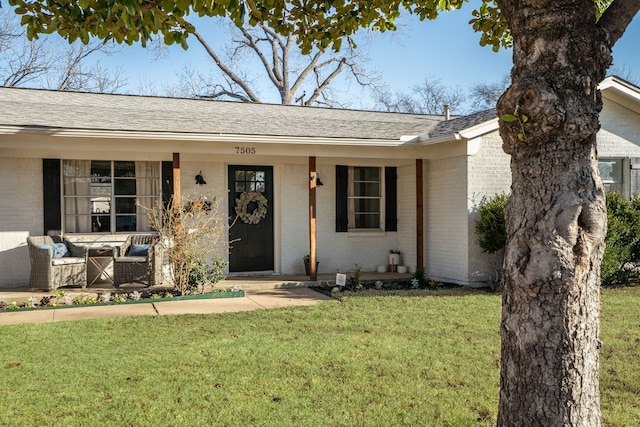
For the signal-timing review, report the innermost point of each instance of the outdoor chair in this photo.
(56, 262)
(138, 259)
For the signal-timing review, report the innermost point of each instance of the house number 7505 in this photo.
(245, 150)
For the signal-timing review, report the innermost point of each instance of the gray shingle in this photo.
(44, 108)
(449, 127)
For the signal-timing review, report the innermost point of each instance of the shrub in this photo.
(621, 260)
(353, 282)
(202, 273)
(190, 234)
(420, 277)
(622, 251)
(491, 227)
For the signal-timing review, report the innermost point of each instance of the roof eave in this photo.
(621, 91)
(468, 133)
(195, 136)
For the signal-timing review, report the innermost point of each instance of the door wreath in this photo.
(258, 213)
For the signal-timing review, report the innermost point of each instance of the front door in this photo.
(251, 207)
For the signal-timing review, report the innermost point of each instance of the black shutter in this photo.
(391, 199)
(167, 182)
(51, 192)
(342, 214)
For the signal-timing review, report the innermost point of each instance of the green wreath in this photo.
(258, 213)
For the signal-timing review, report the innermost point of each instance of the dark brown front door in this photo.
(250, 200)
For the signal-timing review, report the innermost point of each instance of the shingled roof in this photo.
(73, 110)
(449, 127)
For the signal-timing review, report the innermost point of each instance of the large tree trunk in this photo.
(556, 217)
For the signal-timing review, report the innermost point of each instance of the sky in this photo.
(446, 48)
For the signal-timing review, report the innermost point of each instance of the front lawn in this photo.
(426, 358)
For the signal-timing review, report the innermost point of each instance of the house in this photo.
(353, 184)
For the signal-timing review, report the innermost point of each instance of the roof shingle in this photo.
(74, 110)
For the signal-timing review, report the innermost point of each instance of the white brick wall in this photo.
(489, 174)
(454, 188)
(294, 216)
(20, 215)
(446, 219)
(407, 215)
(620, 132)
(340, 251)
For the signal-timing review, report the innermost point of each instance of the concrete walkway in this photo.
(254, 300)
(262, 292)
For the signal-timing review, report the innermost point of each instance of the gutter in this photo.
(187, 136)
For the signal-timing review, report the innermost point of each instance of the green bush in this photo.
(491, 227)
(421, 277)
(202, 273)
(622, 250)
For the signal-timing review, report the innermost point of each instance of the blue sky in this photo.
(446, 48)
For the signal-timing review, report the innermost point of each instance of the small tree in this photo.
(194, 242)
(491, 227)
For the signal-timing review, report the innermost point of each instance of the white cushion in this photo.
(67, 260)
(131, 259)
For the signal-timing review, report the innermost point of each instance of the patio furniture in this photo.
(100, 266)
(56, 262)
(138, 259)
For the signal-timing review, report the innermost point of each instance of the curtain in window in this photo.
(147, 190)
(351, 201)
(77, 191)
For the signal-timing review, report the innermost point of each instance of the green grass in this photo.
(428, 359)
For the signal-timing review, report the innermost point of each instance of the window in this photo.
(250, 180)
(364, 197)
(100, 195)
(360, 204)
(611, 174)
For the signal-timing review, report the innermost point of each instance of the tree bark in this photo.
(556, 217)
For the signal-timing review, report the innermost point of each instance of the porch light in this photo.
(200, 180)
(316, 176)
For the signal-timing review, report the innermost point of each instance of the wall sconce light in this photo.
(316, 176)
(200, 180)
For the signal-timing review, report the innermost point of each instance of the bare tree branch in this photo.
(279, 58)
(429, 97)
(269, 68)
(485, 95)
(43, 63)
(226, 70)
(321, 86)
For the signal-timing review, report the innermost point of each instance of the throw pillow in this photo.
(137, 249)
(58, 250)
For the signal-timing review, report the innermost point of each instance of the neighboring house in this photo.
(74, 163)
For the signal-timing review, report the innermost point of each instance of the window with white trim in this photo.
(611, 174)
(100, 195)
(364, 196)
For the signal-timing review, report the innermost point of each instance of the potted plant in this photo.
(307, 261)
(395, 259)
